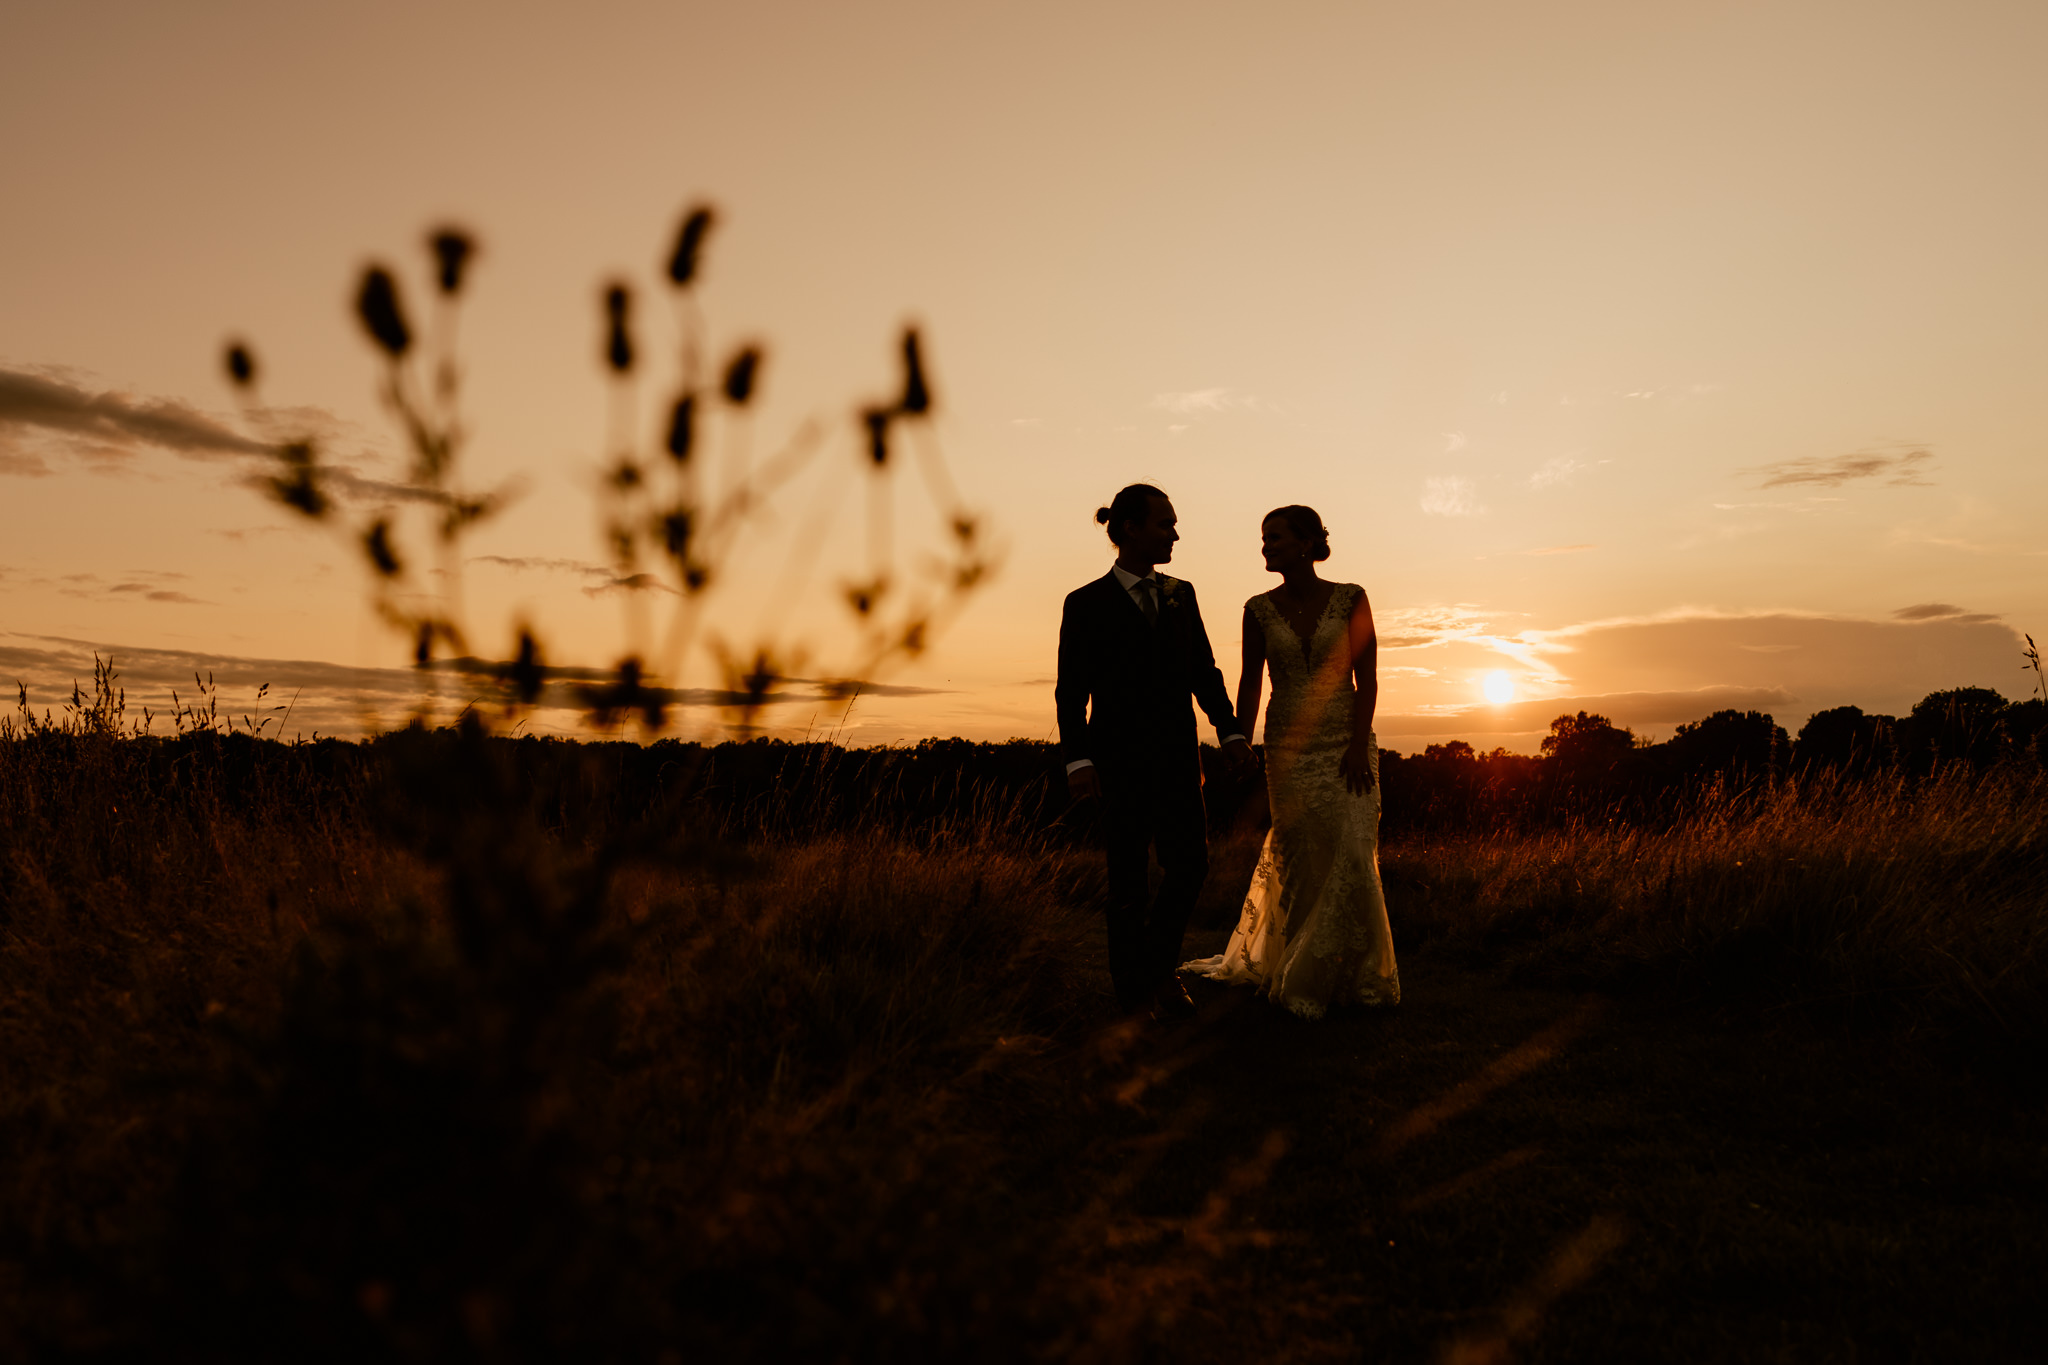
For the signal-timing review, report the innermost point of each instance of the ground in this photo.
(1499, 1171)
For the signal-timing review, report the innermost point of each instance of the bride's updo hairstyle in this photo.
(1306, 525)
(1129, 505)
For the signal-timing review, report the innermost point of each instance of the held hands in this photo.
(1238, 761)
(1356, 765)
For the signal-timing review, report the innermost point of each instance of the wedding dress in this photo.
(1313, 931)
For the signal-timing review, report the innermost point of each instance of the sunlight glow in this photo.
(1499, 687)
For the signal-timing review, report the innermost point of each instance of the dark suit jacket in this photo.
(1139, 677)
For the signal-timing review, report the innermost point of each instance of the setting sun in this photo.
(1498, 687)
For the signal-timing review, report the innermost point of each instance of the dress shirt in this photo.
(1130, 582)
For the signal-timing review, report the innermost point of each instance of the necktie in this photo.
(1148, 599)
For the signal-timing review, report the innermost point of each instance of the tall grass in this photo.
(298, 1071)
(307, 1060)
(1907, 899)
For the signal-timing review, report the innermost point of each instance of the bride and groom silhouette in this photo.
(1133, 652)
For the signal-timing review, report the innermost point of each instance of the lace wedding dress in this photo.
(1313, 931)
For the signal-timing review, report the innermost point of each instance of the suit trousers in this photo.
(1151, 811)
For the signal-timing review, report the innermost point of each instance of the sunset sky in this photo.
(1663, 357)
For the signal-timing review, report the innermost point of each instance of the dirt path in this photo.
(1497, 1172)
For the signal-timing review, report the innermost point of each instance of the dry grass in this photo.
(376, 1049)
(1913, 900)
(261, 1087)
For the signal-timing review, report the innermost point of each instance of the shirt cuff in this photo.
(1079, 764)
(1228, 738)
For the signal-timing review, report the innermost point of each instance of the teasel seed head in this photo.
(452, 249)
(675, 533)
(740, 375)
(377, 305)
(526, 673)
(618, 345)
(682, 428)
(877, 422)
(377, 544)
(917, 395)
(682, 266)
(298, 486)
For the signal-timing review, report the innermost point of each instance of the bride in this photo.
(1313, 931)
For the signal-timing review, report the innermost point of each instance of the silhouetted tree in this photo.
(1728, 743)
(1587, 745)
(1844, 737)
(2026, 726)
(1962, 724)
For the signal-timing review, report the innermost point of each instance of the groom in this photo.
(1132, 642)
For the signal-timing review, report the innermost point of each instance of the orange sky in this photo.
(1665, 357)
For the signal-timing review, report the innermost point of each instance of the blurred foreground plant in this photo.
(412, 1163)
(669, 521)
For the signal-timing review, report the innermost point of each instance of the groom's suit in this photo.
(1140, 735)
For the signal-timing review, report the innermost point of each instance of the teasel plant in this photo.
(669, 516)
(408, 1164)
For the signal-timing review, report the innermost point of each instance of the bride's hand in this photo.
(1356, 766)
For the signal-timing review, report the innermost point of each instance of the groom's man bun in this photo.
(1306, 525)
(1130, 504)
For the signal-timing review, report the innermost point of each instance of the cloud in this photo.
(1454, 441)
(21, 464)
(337, 698)
(1452, 496)
(107, 429)
(871, 689)
(1422, 627)
(1561, 550)
(1561, 470)
(1205, 400)
(1898, 468)
(1881, 664)
(599, 578)
(146, 585)
(526, 563)
(1942, 611)
(1654, 671)
(1629, 709)
(108, 423)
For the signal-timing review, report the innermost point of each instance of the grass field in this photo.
(413, 1057)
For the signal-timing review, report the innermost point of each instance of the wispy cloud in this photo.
(21, 464)
(51, 411)
(1422, 627)
(1561, 470)
(1452, 496)
(1194, 401)
(1560, 550)
(1900, 467)
(597, 578)
(145, 585)
(1943, 611)
(107, 421)
(336, 697)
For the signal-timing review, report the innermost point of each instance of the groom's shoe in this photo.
(1172, 1003)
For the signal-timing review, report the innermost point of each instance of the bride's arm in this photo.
(1365, 672)
(1251, 677)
